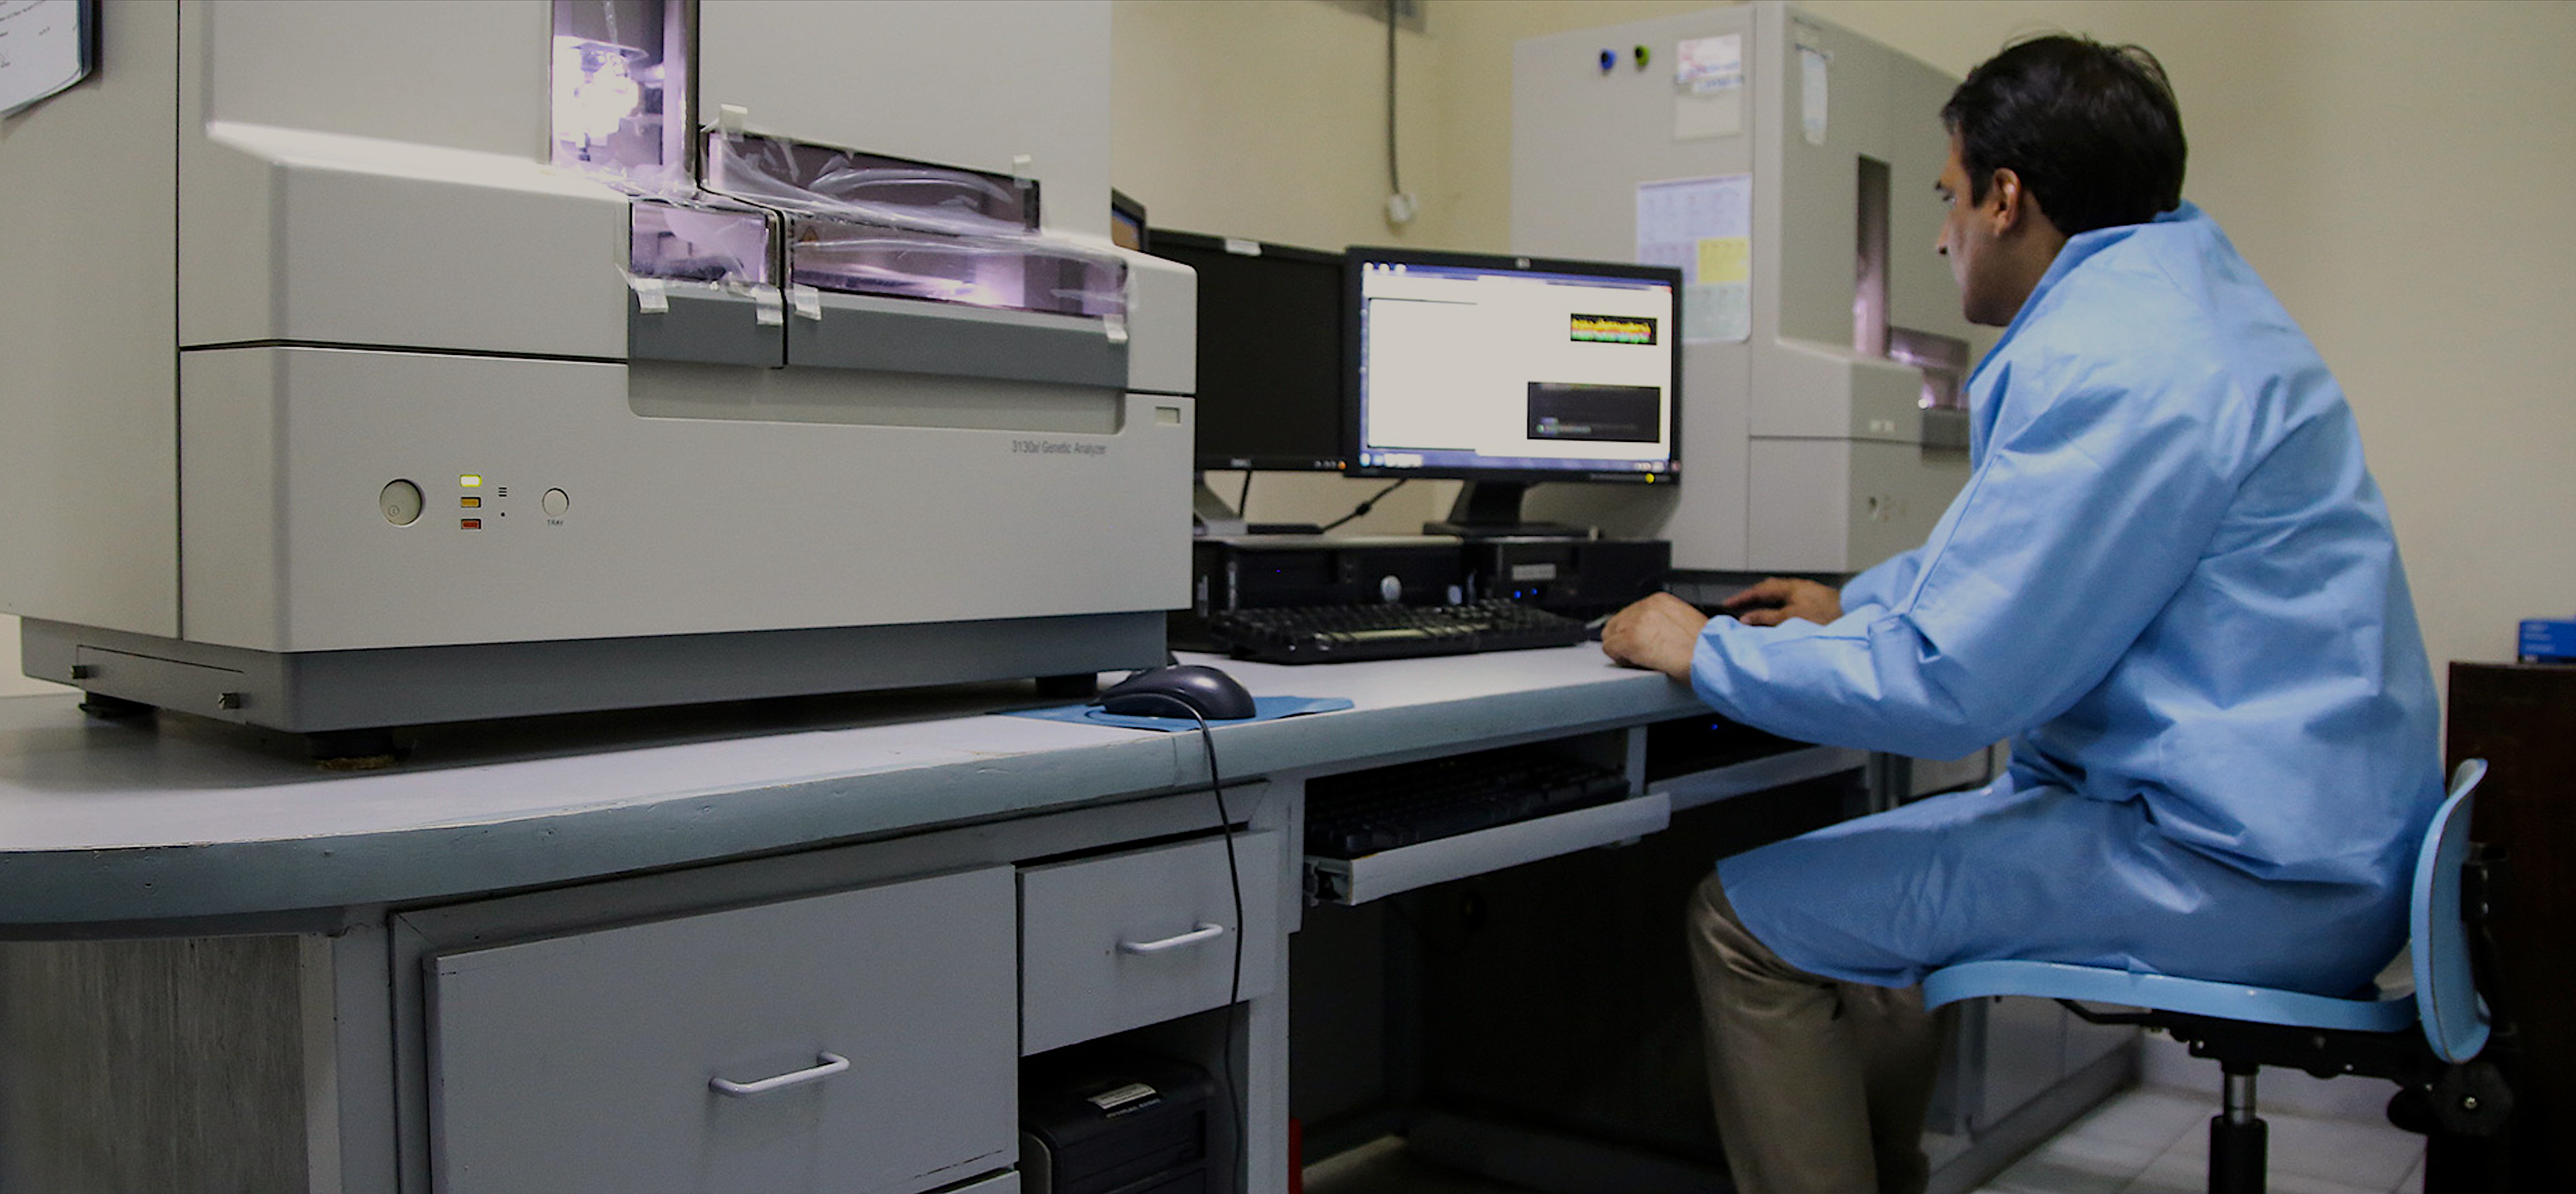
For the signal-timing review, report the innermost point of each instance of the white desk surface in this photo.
(105, 824)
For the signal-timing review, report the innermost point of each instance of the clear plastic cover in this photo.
(1020, 272)
(856, 222)
(863, 224)
(700, 242)
(855, 186)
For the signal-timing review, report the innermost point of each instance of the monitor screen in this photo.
(1270, 352)
(1508, 368)
(1126, 221)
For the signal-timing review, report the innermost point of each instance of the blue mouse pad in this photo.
(1269, 708)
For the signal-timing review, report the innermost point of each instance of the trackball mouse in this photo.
(1174, 691)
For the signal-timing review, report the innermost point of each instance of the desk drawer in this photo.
(1125, 940)
(589, 1062)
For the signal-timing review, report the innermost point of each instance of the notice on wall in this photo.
(1814, 67)
(1708, 87)
(1703, 227)
(45, 47)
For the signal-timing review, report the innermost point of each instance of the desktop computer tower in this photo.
(1580, 578)
(1114, 1121)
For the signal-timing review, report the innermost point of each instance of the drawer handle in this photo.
(829, 1064)
(1205, 932)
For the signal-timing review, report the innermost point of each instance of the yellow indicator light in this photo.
(471, 480)
(470, 503)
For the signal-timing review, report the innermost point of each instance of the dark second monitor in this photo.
(1269, 352)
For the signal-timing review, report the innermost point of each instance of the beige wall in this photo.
(1267, 119)
(2399, 172)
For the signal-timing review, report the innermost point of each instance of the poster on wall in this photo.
(45, 47)
(1704, 228)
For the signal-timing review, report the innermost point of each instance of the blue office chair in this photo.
(2426, 1039)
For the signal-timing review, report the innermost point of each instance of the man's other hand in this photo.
(1779, 598)
(1657, 634)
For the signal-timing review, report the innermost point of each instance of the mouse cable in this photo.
(1234, 983)
(1364, 507)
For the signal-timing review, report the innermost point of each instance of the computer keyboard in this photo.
(1328, 633)
(1363, 812)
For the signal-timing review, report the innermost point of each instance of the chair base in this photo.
(2474, 1157)
(2462, 1110)
(2237, 1151)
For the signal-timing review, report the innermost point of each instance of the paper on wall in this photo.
(1703, 227)
(41, 51)
(1708, 87)
(1813, 65)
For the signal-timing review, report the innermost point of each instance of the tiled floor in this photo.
(1382, 1167)
(2151, 1140)
(2155, 1140)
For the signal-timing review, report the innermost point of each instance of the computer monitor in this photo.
(1269, 354)
(1507, 372)
(1126, 221)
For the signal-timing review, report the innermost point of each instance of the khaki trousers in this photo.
(1821, 1086)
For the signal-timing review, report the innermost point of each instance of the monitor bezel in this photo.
(1158, 239)
(1355, 262)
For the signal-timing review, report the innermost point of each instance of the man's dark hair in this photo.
(2091, 130)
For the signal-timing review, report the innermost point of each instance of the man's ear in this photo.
(2011, 202)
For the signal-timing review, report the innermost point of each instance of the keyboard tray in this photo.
(1387, 872)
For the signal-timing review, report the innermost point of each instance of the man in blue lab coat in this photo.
(2170, 581)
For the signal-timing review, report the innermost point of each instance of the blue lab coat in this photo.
(2172, 580)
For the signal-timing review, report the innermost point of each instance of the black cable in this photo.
(1234, 984)
(1364, 507)
(1394, 179)
(1243, 500)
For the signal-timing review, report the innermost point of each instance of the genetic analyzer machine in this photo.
(379, 364)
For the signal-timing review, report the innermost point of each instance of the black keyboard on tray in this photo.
(1385, 808)
(1330, 633)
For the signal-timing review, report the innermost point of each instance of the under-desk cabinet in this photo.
(851, 1019)
(859, 1042)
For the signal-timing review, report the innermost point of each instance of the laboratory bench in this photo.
(785, 945)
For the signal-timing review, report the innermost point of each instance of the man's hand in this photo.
(1778, 599)
(1657, 634)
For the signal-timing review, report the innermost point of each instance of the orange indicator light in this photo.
(471, 503)
(469, 524)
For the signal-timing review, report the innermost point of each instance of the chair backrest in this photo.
(2446, 995)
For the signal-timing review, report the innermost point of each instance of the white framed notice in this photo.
(45, 47)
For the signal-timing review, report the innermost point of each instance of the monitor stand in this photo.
(1212, 518)
(1209, 515)
(1492, 510)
